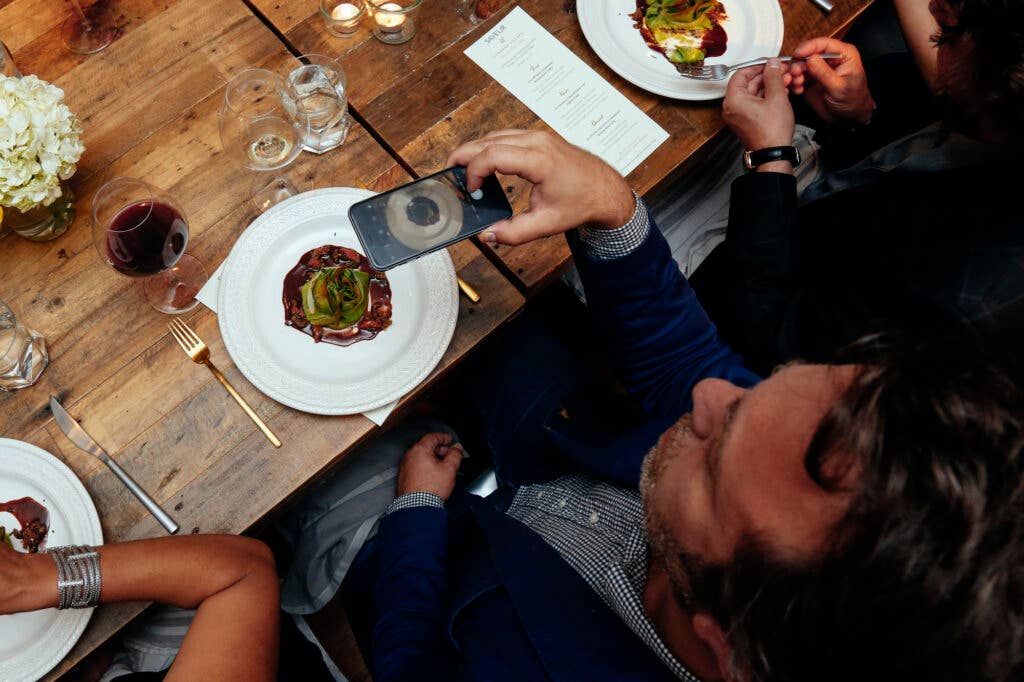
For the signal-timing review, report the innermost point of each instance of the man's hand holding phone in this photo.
(571, 187)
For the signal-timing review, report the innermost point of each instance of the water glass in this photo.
(22, 352)
(394, 21)
(315, 94)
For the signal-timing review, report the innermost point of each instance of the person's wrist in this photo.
(865, 117)
(36, 587)
(420, 489)
(618, 210)
(782, 166)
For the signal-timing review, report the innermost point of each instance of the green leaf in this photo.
(319, 301)
(336, 297)
(354, 288)
(6, 538)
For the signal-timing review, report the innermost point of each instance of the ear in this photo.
(710, 632)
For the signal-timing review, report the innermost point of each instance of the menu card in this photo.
(565, 93)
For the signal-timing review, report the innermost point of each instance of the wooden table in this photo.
(149, 107)
(425, 97)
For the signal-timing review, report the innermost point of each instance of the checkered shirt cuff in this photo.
(622, 241)
(410, 500)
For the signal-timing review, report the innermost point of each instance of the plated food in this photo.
(335, 296)
(33, 519)
(685, 31)
(615, 30)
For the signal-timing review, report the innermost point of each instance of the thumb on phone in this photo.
(523, 228)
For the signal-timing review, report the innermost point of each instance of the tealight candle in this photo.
(345, 12)
(387, 20)
(342, 18)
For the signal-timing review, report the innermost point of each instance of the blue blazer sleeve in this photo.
(410, 593)
(658, 332)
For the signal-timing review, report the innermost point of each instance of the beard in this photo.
(685, 569)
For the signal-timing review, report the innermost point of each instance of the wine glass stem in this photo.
(86, 25)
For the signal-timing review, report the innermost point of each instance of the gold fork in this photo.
(196, 349)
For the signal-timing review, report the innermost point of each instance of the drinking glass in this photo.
(22, 352)
(141, 231)
(7, 65)
(89, 29)
(315, 95)
(474, 11)
(258, 131)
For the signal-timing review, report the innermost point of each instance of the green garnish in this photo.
(679, 14)
(686, 55)
(5, 537)
(336, 297)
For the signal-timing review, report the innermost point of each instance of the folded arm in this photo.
(230, 580)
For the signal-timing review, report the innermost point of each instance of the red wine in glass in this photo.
(145, 238)
(141, 231)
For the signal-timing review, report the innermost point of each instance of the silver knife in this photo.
(77, 435)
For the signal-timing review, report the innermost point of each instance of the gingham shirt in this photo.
(598, 529)
(610, 244)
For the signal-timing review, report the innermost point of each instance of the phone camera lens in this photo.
(423, 211)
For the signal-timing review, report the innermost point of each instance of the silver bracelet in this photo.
(79, 581)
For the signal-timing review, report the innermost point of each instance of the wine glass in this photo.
(141, 231)
(88, 29)
(258, 131)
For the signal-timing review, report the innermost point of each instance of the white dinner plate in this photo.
(32, 643)
(754, 29)
(286, 364)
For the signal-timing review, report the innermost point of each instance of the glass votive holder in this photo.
(394, 21)
(342, 16)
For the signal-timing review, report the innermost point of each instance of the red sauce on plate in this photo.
(34, 519)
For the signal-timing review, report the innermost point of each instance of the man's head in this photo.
(851, 521)
(981, 60)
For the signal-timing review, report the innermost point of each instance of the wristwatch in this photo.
(752, 160)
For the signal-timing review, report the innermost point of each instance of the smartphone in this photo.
(405, 223)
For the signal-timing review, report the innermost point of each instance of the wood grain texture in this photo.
(149, 105)
(425, 97)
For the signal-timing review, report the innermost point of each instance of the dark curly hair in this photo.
(996, 28)
(924, 579)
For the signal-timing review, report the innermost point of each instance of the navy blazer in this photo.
(477, 595)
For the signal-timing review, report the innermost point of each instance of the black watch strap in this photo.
(752, 160)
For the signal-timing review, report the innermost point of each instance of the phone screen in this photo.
(423, 216)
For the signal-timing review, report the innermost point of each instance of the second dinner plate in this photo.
(754, 28)
(286, 364)
(32, 643)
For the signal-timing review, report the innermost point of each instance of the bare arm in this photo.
(919, 26)
(230, 580)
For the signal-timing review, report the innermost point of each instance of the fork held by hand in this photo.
(719, 72)
(196, 349)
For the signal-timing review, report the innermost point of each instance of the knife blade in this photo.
(83, 441)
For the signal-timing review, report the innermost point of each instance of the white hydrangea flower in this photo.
(39, 142)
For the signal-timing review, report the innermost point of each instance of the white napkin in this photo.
(208, 297)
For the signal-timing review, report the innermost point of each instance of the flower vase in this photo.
(43, 223)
